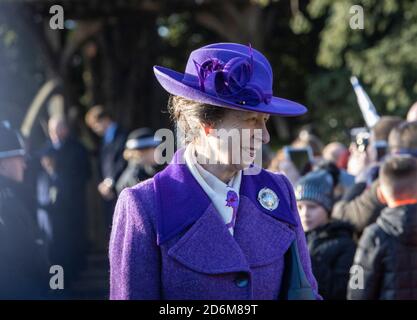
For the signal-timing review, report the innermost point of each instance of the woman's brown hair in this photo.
(189, 114)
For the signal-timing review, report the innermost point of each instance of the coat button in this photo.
(242, 281)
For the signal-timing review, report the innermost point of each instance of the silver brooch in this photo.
(268, 199)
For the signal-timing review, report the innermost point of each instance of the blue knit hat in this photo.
(316, 186)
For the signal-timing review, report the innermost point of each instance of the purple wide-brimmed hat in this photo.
(228, 75)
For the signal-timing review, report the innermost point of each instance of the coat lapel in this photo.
(261, 237)
(180, 199)
(208, 247)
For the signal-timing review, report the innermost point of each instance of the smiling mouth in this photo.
(308, 223)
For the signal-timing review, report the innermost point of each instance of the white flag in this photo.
(365, 104)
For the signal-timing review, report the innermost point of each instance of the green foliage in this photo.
(333, 109)
(300, 24)
(173, 28)
(20, 75)
(383, 54)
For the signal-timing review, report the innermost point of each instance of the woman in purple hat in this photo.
(213, 225)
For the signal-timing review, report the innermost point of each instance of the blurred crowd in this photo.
(44, 199)
(358, 207)
(357, 203)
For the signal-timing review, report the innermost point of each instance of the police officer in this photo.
(24, 265)
(142, 161)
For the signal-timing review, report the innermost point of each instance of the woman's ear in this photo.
(207, 128)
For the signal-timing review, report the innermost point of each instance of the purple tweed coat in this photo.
(169, 242)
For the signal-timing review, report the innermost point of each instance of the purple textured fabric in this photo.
(197, 258)
(229, 75)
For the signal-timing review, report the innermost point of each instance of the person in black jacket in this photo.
(24, 264)
(67, 166)
(330, 242)
(386, 258)
(111, 158)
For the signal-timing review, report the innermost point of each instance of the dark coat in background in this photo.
(387, 253)
(68, 208)
(332, 250)
(112, 165)
(135, 173)
(24, 266)
(112, 162)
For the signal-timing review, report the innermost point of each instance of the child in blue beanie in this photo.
(329, 241)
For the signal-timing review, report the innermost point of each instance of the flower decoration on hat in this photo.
(231, 80)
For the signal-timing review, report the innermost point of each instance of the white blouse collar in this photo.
(215, 188)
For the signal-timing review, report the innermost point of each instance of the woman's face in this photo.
(312, 214)
(238, 137)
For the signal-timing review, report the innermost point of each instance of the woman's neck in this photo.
(224, 172)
